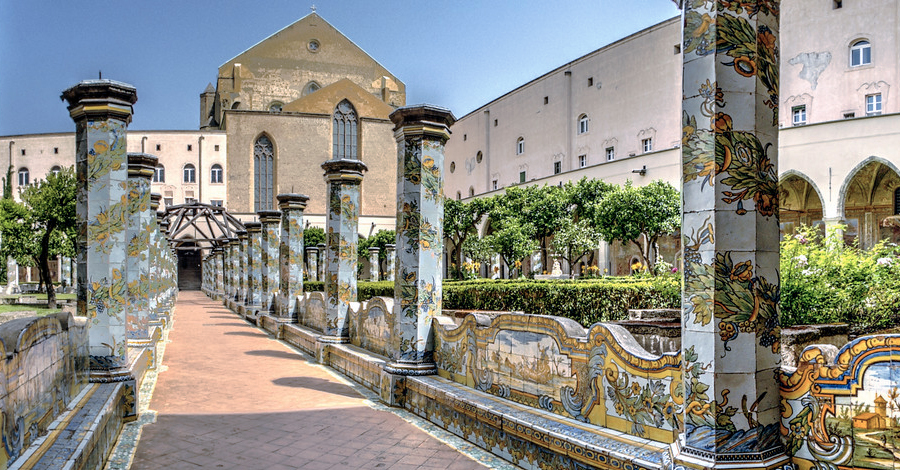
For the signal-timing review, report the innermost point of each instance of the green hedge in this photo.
(585, 301)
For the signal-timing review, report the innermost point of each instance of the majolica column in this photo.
(139, 233)
(254, 264)
(102, 110)
(153, 280)
(421, 133)
(269, 258)
(232, 262)
(373, 263)
(312, 263)
(65, 268)
(219, 276)
(389, 252)
(730, 325)
(290, 252)
(243, 240)
(322, 263)
(341, 235)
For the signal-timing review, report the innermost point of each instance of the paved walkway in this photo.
(233, 398)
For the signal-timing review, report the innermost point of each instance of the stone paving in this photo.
(231, 397)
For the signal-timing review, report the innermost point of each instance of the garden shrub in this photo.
(585, 301)
(824, 280)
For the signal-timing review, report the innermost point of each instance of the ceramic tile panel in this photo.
(845, 413)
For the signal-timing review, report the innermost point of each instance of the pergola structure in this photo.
(203, 225)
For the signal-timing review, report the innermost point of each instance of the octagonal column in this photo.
(219, 277)
(254, 264)
(730, 323)
(341, 235)
(312, 263)
(290, 253)
(421, 133)
(321, 263)
(373, 263)
(231, 261)
(242, 269)
(102, 110)
(269, 258)
(138, 233)
(389, 265)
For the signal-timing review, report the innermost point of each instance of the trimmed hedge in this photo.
(585, 301)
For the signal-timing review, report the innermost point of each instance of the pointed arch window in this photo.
(345, 132)
(263, 165)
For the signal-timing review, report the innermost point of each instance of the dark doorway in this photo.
(189, 274)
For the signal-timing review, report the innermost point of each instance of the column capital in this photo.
(291, 201)
(424, 120)
(100, 99)
(374, 250)
(142, 165)
(311, 249)
(269, 217)
(154, 202)
(252, 227)
(242, 235)
(344, 170)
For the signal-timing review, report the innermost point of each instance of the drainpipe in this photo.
(143, 142)
(200, 169)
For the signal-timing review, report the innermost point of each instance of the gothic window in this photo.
(345, 132)
(263, 164)
(311, 87)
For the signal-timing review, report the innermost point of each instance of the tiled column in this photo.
(156, 262)
(12, 276)
(291, 253)
(389, 256)
(730, 324)
(254, 265)
(232, 262)
(421, 133)
(373, 263)
(138, 234)
(219, 276)
(269, 259)
(312, 263)
(102, 110)
(341, 235)
(322, 263)
(243, 240)
(65, 267)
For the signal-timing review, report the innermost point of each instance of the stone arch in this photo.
(866, 197)
(796, 207)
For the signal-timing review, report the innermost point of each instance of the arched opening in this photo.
(190, 173)
(216, 174)
(868, 199)
(311, 87)
(800, 204)
(24, 177)
(189, 270)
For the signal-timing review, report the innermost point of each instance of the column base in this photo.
(773, 459)
(410, 368)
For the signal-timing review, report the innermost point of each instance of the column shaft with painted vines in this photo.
(138, 234)
(389, 265)
(66, 271)
(341, 236)
(730, 325)
(254, 264)
(312, 263)
(373, 263)
(290, 253)
(232, 268)
(167, 272)
(243, 240)
(155, 259)
(219, 277)
(421, 133)
(269, 251)
(102, 110)
(321, 263)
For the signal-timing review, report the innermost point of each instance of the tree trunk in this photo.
(44, 266)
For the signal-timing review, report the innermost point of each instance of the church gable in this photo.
(324, 101)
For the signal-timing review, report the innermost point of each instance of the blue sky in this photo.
(455, 54)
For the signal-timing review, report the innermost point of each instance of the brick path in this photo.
(232, 398)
